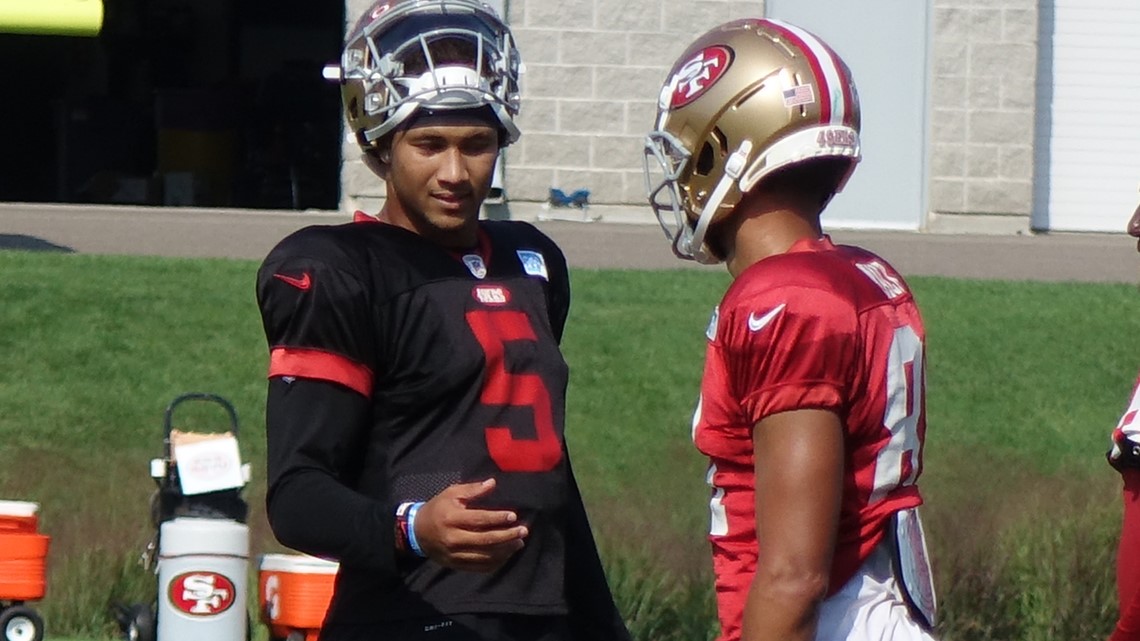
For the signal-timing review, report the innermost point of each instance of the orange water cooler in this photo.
(294, 592)
(23, 575)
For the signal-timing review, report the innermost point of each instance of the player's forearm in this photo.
(315, 514)
(783, 610)
(312, 431)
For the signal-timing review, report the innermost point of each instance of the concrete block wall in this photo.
(984, 75)
(594, 70)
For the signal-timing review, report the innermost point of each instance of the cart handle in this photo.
(199, 396)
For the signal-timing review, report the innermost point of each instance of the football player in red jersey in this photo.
(416, 388)
(1125, 457)
(811, 409)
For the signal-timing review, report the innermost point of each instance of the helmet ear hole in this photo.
(715, 146)
(706, 160)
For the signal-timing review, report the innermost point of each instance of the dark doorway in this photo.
(216, 103)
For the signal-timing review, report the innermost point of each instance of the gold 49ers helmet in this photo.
(745, 99)
(441, 55)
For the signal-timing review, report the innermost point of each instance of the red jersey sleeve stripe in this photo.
(323, 366)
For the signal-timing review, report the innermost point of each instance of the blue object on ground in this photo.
(579, 198)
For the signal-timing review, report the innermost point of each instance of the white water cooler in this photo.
(203, 566)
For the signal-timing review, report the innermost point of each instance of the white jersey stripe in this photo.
(832, 75)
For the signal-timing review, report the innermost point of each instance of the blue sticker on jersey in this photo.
(533, 263)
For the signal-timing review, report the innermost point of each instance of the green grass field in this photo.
(1024, 382)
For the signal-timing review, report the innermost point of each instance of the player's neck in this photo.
(763, 233)
(456, 237)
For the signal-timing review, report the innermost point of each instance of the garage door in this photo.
(1088, 118)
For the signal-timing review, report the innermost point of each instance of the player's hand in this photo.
(466, 538)
(1125, 452)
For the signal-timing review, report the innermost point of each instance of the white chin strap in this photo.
(692, 243)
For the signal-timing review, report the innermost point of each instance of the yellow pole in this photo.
(51, 17)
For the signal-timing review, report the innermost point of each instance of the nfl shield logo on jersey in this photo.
(533, 263)
(476, 265)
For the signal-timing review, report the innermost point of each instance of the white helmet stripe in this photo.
(822, 59)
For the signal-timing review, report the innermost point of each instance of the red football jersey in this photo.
(823, 327)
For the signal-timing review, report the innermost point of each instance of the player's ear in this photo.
(378, 160)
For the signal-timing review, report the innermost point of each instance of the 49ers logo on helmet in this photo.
(201, 593)
(379, 11)
(696, 76)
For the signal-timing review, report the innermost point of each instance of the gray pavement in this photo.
(248, 234)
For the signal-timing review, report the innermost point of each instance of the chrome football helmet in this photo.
(436, 54)
(745, 99)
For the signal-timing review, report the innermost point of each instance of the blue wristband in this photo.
(412, 542)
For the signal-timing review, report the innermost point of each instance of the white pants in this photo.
(870, 607)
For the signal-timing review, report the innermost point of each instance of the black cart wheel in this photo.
(20, 623)
(140, 623)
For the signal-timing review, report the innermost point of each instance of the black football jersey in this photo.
(457, 358)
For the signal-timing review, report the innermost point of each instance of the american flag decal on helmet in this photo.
(799, 95)
(834, 81)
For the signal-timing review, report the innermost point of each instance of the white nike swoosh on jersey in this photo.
(756, 324)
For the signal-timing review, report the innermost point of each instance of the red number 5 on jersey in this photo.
(493, 328)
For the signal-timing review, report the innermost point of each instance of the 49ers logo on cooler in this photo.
(700, 73)
(201, 593)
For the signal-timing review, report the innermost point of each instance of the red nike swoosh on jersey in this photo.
(303, 283)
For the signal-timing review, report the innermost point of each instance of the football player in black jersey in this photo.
(416, 388)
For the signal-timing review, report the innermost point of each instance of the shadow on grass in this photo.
(31, 243)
